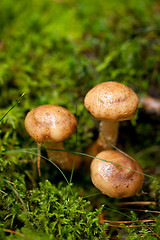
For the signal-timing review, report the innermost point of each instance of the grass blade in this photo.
(12, 107)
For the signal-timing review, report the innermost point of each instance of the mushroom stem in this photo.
(63, 159)
(39, 158)
(107, 137)
(108, 134)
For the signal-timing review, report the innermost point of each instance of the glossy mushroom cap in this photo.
(113, 180)
(111, 101)
(50, 123)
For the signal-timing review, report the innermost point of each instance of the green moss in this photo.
(56, 211)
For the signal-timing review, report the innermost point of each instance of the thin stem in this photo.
(39, 158)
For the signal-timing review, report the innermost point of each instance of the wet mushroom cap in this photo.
(50, 123)
(111, 101)
(113, 180)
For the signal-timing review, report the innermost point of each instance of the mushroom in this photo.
(110, 102)
(114, 180)
(51, 125)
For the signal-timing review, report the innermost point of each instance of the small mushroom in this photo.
(114, 180)
(110, 102)
(51, 125)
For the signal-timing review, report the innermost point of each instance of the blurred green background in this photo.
(56, 50)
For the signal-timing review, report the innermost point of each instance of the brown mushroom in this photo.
(110, 102)
(114, 180)
(51, 125)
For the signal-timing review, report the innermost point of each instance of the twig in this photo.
(11, 231)
(127, 222)
(136, 203)
(3, 192)
(154, 232)
(140, 210)
(146, 220)
(119, 226)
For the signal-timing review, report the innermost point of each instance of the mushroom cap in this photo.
(50, 123)
(111, 101)
(113, 180)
